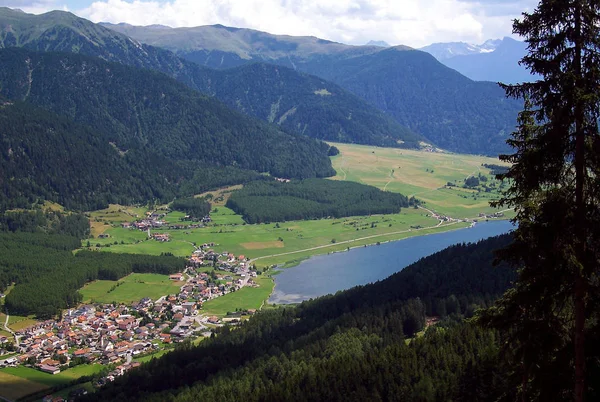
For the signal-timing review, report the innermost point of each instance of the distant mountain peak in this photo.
(379, 43)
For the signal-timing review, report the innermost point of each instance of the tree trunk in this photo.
(580, 232)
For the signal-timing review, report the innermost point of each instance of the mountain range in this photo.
(416, 90)
(314, 114)
(494, 60)
(393, 96)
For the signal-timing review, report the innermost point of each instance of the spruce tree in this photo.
(555, 191)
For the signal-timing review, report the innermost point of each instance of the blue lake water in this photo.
(329, 273)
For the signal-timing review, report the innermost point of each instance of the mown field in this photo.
(17, 382)
(130, 289)
(229, 233)
(420, 174)
(245, 298)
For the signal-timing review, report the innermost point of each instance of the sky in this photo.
(414, 23)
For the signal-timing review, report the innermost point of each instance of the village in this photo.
(116, 335)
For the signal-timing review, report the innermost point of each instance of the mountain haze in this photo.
(494, 60)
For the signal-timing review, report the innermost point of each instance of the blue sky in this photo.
(410, 22)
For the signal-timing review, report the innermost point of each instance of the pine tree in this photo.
(555, 192)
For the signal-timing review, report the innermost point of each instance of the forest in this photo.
(150, 134)
(48, 275)
(196, 208)
(274, 201)
(349, 346)
(48, 157)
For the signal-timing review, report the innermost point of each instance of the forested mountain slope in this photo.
(412, 86)
(295, 101)
(305, 104)
(138, 109)
(350, 346)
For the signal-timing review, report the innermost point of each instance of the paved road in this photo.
(349, 241)
(10, 330)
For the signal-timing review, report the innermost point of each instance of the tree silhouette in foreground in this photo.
(551, 313)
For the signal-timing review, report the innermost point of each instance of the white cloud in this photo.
(33, 6)
(410, 22)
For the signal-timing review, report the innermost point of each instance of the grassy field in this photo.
(269, 239)
(420, 174)
(17, 322)
(244, 298)
(13, 387)
(131, 288)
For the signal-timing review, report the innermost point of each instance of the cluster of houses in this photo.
(156, 220)
(491, 216)
(109, 334)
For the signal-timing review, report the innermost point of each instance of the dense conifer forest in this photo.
(273, 201)
(144, 123)
(196, 208)
(48, 275)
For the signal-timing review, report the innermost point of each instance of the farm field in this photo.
(245, 298)
(129, 289)
(13, 387)
(421, 174)
(17, 382)
(268, 239)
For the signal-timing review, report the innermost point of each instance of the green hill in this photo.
(293, 100)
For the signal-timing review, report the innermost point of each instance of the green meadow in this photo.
(130, 289)
(421, 174)
(243, 299)
(269, 239)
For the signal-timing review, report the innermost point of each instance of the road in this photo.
(451, 221)
(10, 330)
(350, 241)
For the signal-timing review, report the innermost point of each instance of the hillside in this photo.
(350, 346)
(50, 157)
(305, 104)
(142, 114)
(218, 46)
(419, 92)
(285, 97)
(451, 110)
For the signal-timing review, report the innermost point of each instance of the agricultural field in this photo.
(269, 239)
(13, 387)
(245, 298)
(18, 382)
(424, 175)
(17, 322)
(129, 289)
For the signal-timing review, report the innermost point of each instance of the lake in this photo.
(325, 274)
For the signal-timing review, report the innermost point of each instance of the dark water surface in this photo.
(324, 274)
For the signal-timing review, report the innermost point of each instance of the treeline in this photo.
(346, 347)
(496, 169)
(195, 207)
(48, 275)
(261, 202)
(38, 220)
